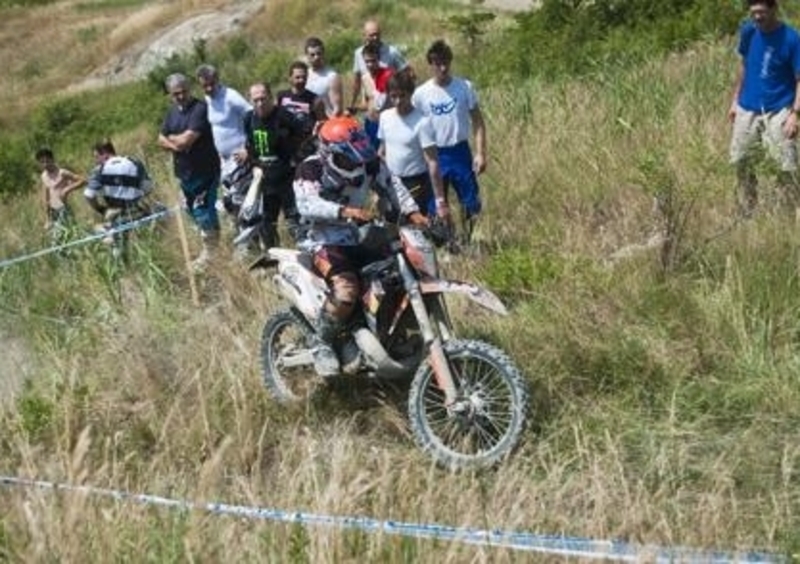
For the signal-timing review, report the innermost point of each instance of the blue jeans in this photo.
(200, 193)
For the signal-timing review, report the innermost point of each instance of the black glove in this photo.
(439, 232)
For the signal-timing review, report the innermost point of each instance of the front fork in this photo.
(431, 337)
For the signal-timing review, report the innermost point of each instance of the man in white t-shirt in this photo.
(389, 56)
(323, 80)
(451, 103)
(408, 146)
(226, 111)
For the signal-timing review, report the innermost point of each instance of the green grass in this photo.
(664, 386)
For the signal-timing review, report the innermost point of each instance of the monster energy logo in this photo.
(261, 142)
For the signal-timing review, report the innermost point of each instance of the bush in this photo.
(15, 166)
(577, 37)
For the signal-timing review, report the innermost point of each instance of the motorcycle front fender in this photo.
(477, 294)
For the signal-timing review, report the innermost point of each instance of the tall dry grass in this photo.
(664, 393)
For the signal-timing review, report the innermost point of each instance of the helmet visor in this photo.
(355, 152)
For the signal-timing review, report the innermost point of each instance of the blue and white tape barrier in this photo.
(90, 238)
(556, 545)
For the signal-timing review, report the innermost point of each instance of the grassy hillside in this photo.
(665, 391)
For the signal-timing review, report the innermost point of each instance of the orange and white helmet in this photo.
(345, 147)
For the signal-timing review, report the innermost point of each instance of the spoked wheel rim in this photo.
(486, 420)
(287, 367)
(481, 417)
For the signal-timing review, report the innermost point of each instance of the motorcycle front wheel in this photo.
(486, 422)
(287, 362)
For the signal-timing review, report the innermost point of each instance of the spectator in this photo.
(117, 185)
(186, 133)
(57, 184)
(304, 105)
(452, 105)
(766, 103)
(375, 82)
(408, 146)
(388, 56)
(323, 80)
(270, 133)
(226, 110)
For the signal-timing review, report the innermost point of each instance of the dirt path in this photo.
(137, 61)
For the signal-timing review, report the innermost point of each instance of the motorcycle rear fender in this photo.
(477, 294)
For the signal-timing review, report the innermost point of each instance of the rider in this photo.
(117, 185)
(334, 189)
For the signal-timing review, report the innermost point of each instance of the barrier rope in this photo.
(557, 545)
(90, 238)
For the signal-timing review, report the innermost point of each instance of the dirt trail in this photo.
(137, 61)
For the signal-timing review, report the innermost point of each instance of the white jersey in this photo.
(448, 108)
(121, 178)
(226, 110)
(320, 82)
(320, 198)
(404, 138)
(389, 57)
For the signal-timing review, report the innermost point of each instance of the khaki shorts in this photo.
(751, 127)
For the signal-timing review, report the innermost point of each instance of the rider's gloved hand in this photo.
(359, 215)
(418, 219)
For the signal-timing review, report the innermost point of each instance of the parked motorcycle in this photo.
(467, 401)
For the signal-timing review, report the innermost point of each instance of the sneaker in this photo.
(326, 363)
(201, 262)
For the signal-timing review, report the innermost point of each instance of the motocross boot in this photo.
(326, 363)
(351, 356)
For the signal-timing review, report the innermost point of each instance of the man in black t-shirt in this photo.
(305, 105)
(186, 132)
(271, 133)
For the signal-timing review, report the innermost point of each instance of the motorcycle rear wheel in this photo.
(286, 363)
(488, 419)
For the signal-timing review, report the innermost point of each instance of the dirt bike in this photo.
(467, 401)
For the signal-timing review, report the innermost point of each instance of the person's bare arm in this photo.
(737, 87)
(479, 131)
(46, 202)
(178, 142)
(336, 95)
(432, 161)
(76, 181)
(790, 126)
(356, 89)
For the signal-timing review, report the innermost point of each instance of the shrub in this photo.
(15, 166)
(573, 37)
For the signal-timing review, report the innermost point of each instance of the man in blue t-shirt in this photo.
(766, 103)
(186, 132)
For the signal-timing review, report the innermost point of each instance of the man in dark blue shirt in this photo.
(186, 132)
